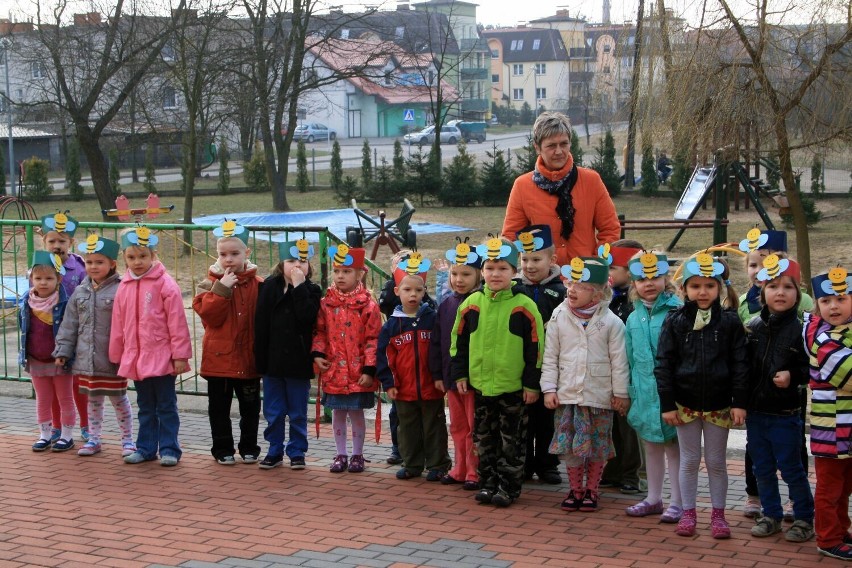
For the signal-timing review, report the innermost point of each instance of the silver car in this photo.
(449, 135)
(311, 131)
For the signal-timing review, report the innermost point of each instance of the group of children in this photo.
(536, 366)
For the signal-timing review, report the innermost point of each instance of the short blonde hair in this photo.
(549, 124)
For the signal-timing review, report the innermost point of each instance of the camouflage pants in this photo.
(500, 432)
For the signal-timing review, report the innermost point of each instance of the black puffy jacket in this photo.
(702, 370)
(620, 304)
(775, 344)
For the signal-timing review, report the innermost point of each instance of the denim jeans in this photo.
(220, 392)
(158, 417)
(286, 398)
(774, 443)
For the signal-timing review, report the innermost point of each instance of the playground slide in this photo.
(700, 183)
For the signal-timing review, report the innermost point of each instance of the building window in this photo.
(541, 68)
(607, 48)
(536, 44)
(169, 98)
(495, 78)
(399, 32)
(518, 94)
(344, 34)
(606, 69)
(517, 45)
(4, 102)
(518, 69)
(39, 70)
(388, 80)
(495, 54)
(540, 94)
(168, 52)
(431, 77)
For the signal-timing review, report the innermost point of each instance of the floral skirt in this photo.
(582, 432)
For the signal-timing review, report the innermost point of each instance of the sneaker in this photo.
(719, 528)
(470, 485)
(127, 448)
(800, 531)
(340, 464)
(63, 445)
(629, 489)
(752, 508)
(789, 515)
(501, 499)
(170, 461)
(551, 477)
(249, 459)
(766, 526)
(571, 503)
(449, 480)
(405, 474)
(271, 462)
(84, 433)
(847, 539)
(42, 445)
(590, 502)
(435, 475)
(135, 457)
(356, 464)
(89, 449)
(484, 496)
(55, 434)
(394, 458)
(226, 460)
(842, 551)
(643, 509)
(297, 463)
(687, 523)
(672, 515)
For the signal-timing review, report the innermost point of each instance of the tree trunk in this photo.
(97, 166)
(190, 159)
(629, 178)
(803, 241)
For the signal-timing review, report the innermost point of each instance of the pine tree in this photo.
(650, 184)
(495, 179)
(527, 158)
(336, 167)
(398, 162)
(817, 181)
(420, 177)
(347, 191)
(114, 174)
(150, 182)
(459, 185)
(36, 184)
(576, 149)
(224, 183)
(383, 189)
(604, 164)
(366, 167)
(526, 116)
(72, 171)
(302, 179)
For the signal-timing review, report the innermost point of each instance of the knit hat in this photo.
(139, 236)
(495, 249)
(586, 269)
(411, 265)
(649, 265)
(836, 282)
(534, 238)
(773, 267)
(616, 256)
(463, 254)
(45, 258)
(295, 250)
(703, 265)
(94, 243)
(764, 240)
(343, 256)
(230, 228)
(59, 222)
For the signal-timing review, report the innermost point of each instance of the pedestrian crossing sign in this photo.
(408, 115)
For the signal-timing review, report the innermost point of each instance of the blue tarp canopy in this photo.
(13, 289)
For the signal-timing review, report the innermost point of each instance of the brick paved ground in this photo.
(63, 510)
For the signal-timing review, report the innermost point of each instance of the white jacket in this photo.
(585, 366)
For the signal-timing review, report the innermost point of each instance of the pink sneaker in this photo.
(718, 525)
(686, 524)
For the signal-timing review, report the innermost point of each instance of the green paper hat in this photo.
(140, 236)
(496, 249)
(230, 228)
(295, 250)
(703, 265)
(589, 269)
(59, 222)
(94, 243)
(45, 258)
(649, 265)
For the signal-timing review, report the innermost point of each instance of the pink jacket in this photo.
(149, 326)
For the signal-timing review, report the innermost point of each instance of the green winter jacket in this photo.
(497, 342)
(643, 332)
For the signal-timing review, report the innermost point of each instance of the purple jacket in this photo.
(439, 349)
(75, 272)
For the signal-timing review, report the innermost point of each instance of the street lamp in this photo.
(6, 43)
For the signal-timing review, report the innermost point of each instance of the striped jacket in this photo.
(830, 353)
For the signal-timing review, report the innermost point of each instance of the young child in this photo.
(584, 377)
(702, 380)
(465, 275)
(57, 234)
(150, 342)
(226, 303)
(778, 370)
(39, 317)
(540, 280)
(622, 471)
(403, 368)
(344, 350)
(828, 340)
(653, 298)
(287, 308)
(84, 337)
(758, 245)
(496, 352)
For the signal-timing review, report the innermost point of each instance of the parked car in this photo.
(310, 131)
(449, 135)
(471, 131)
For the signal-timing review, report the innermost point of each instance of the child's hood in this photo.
(157, 270)
(356, 299)
(554, 274)
(216, 271)
(111, 280)
(423, 309)
(665, 301)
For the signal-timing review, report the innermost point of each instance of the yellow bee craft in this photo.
(340, 255)
(495, 249)
(230, 228)
(463, 254)
(141, 236)
(44, 258)
(648, 266)
(703, 265)
(836, 282)
(95, 244)
(604, 253)
(534, 238)
(773, 267)
(59, 222)
(299, 249)
(414, 264)
(753, 241)
(586, 269)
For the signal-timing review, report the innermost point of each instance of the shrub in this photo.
(366, 166)
(459, 188)
(347, 191)
(421, 178)
(302, 179)
(72, 171)
(681, 171)
(650, 184)
(224, 183)
(36, 185)
(604, 164)
(526, 116)
(812, 214)
(817, 179)
(398, 162)
(495, 178)
(254, 172)
(150, 182)
(336, 168)
(576, 149)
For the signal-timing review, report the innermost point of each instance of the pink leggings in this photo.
(81, 400)
(60, 388)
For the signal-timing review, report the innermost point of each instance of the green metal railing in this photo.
(185, 250)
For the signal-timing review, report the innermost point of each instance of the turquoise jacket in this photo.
(643, 332)
(497, 342)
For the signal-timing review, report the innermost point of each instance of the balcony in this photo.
(475, 74)
(475, 105)
(471, 45)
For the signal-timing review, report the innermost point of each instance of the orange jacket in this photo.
(595, 220)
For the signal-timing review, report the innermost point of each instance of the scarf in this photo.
(42, 308)
(559, 183)
(702, 319)
(586, 312)
(753, 299)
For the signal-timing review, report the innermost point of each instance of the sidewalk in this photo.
(64, 510)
